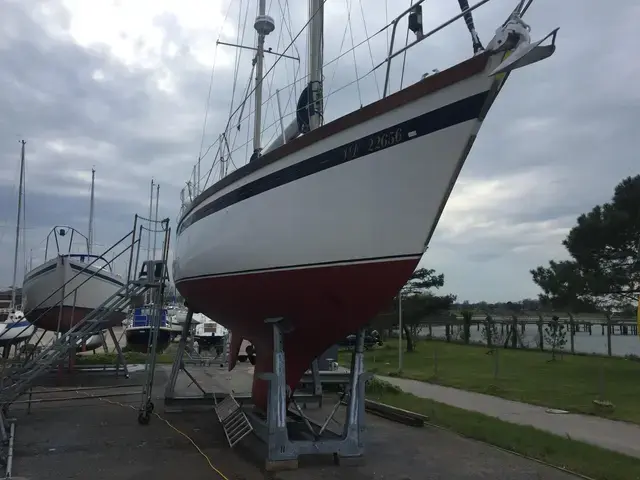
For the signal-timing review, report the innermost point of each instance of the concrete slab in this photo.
(102, 441)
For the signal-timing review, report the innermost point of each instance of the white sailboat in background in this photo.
(88, 281)
(16, 328)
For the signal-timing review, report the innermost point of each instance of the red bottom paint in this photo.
(48, 319)
(322, 305)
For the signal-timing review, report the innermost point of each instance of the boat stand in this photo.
(287, 440)
(8, 433)
(178, 365)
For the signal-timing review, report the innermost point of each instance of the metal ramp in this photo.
(234, 421)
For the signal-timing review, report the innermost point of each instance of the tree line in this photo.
(602, 273)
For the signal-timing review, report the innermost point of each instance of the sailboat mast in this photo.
(155, 234)
(90, 232)
(316, 32)
(15, 253)
(264, 25)
(150, 229)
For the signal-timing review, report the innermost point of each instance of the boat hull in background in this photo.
(138, 338)
(43, 309)
(324, 233)
(14, 331)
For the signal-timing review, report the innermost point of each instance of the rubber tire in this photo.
(143, 418)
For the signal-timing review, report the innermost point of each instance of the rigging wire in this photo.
(386, 20)
(404, 55)
(284, 52)
(249, 98)
(335, 70)
(366, 34)
(237, 59)
(353, 49)
(213, 68)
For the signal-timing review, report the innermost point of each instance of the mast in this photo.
(155, 234)
(15, 253)
(316, 32)
(264, 25)
(90, 233)
(310, 102)
(150, 229)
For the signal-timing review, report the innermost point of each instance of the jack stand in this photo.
(120, 359)
(283, 452)
(146, 404)
(8, 431)
(178, 362)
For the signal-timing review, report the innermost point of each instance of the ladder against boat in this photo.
(234, 421)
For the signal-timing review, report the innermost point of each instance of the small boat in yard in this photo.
(70, 284)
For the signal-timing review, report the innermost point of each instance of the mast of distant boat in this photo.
(91, 204)
(148, 294)
(15, 253)
(155, 234)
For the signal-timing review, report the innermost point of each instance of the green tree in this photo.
(604, 269)
(419, 302)
(555, 335)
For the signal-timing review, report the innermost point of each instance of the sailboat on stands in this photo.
(15, 328)
(69, 285)
(138, 331)
(323, 227)
(208, 333)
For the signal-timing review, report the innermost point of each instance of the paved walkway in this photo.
(613, 435)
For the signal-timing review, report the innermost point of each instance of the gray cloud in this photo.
(556, 142)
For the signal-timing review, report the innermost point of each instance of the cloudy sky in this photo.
(123, 86)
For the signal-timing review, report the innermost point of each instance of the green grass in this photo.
(570, 454)
(110, 358)
(571, 383)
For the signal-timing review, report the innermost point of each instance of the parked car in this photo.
(371, 339)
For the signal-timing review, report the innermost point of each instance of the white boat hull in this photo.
(83, 293)
(383, 205)
(325, 230)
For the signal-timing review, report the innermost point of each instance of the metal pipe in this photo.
(415, 42)
(284, 138)
(77, 397)
(90, 232)
(82, 389)
(255, 50)
(12, 435)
